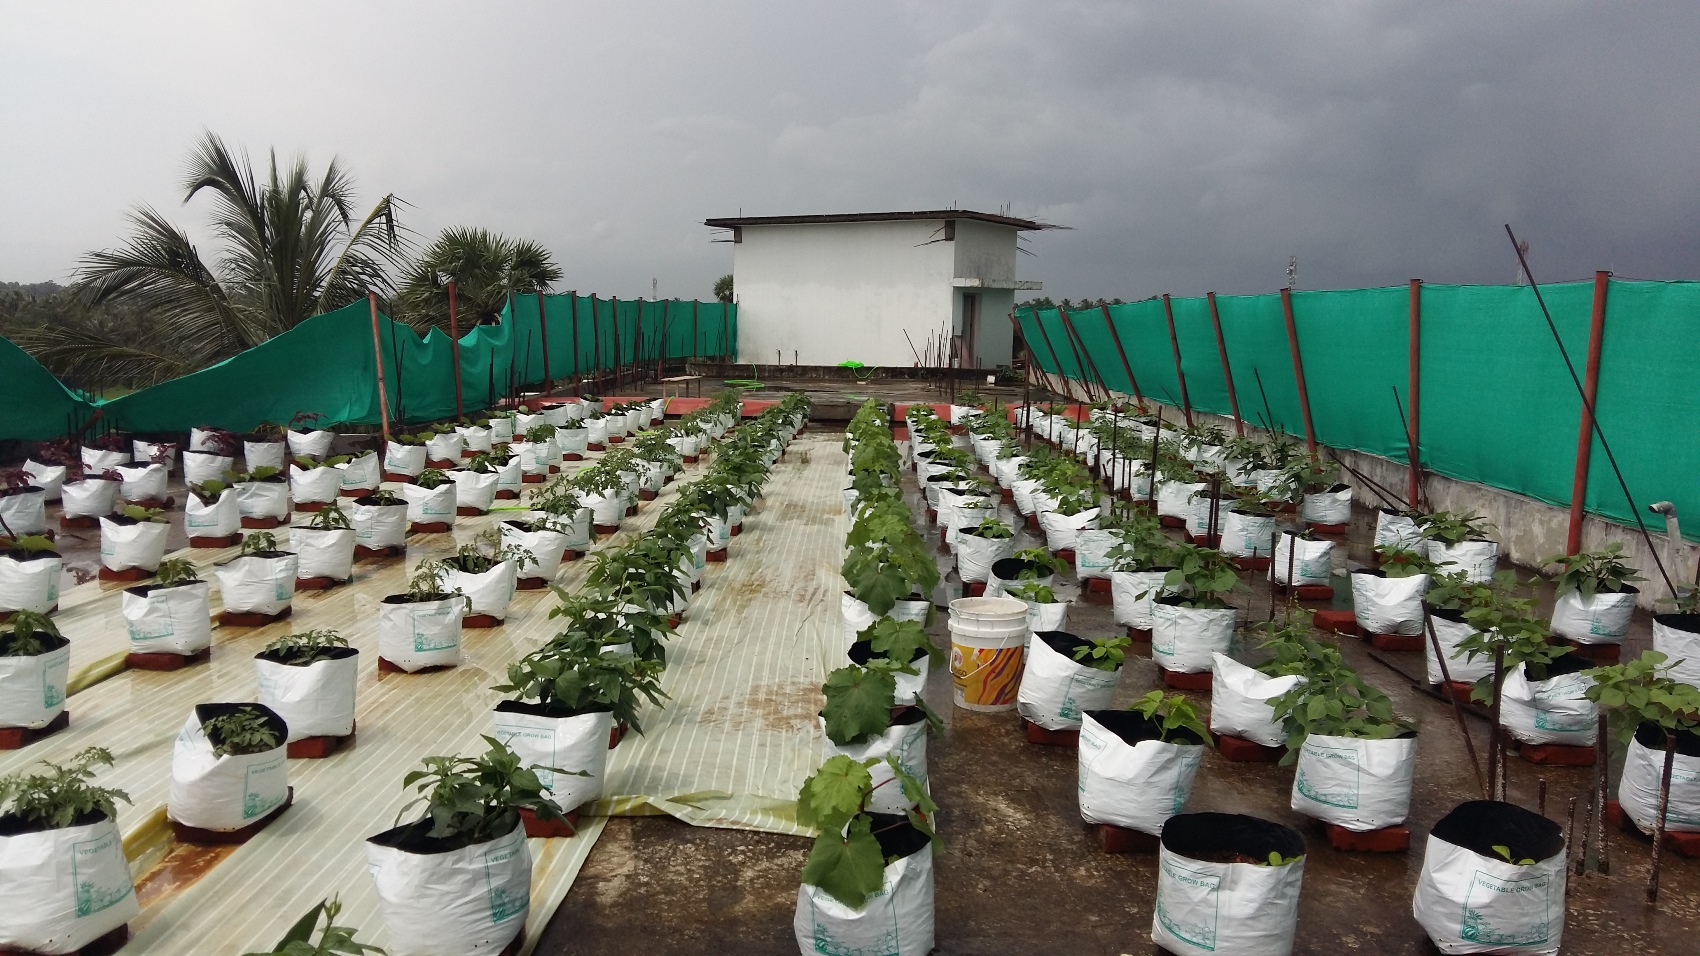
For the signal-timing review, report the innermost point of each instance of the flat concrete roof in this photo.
(925, 214)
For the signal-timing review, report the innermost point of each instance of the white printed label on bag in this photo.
(505, 904)
(54, 674)
(86, 870)
(1198, 926)
(151, 627)
(1348, 773)
(507, 733)
(1485, 888)
(259, 796)
(436, 637)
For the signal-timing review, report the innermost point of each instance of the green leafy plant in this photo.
(244, 730)
(1104, 653)
(208, 491)
(1141, 544)
(259, 543)
(333, 940)
(384, 498)
(432, 478)
(1309, 473)
(331, 517)
(304, 647)
(1642, 691)
(308, 464)
(1592, 572)
(1452, 528)
(28, 634)
(175, 571)
(1201, 577)
(1276, 859)
(1033, 591)
(860, 698)
(1505, 854)
(572, 673)
(1332, 700)
(846, 862)
(1172, 714)
(898, 640)
(486, 550)
(540, 433)
(143, 514)
(63, 795)
(477, 799)
(26, 545)
(1402, 563)
(429, 582)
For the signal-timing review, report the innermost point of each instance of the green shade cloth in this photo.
(34, 406)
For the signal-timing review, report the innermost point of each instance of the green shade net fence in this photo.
(325, 366)
(1497, 405)
(34, 406)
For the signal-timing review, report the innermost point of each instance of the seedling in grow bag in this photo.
(1171, 714)
(304, 647)
(245, 730)
(1450, 528)
(432, 478)
(1505, 854)
(259, 543)
(846, 861)
(61, 796)
(137, 513)
(899, 640)
(860, 698)
(333, 940)
(1141, 545)
(1201, 577)
(429, 582)
(208, 491)
(29, 634)
(1592, 572)
(477, 799)
(383, 498)
(1309, 473)
(331, 517)
(1333, 701)
(27, 546)
(990, 528)
(306, 464)
(1400, 563)
(486, 550)
(1033, 591)
(175, 571)
(1103, 653)
(611, 620)
(571, 674)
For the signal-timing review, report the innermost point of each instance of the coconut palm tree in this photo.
(486, 267)
(290, 247)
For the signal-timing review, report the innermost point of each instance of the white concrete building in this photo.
(876, 288)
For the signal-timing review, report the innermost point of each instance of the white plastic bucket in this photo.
(988, 639)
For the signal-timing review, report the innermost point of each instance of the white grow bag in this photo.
(545, 546)
(572, 441)
(1638, 790)
(445, 447)
(204, 466)
(424, 634)
(1138, 786)
(467, 902)
(1383, 605)
(596, 431)
(1333, 506)
(25, 512)
(1396, 532)
(474, 489)
(1092, 553)
(896, 921)
(314, 484)
(475, 437)
(1134, 593)
(313, 444)
(89, 498)
(316, 700)
(975, 555)
(575, 743)
(406, 460)
(1360, 785)
(97, 460)
(1477, 559)
(361, 473)
(1469, 902)
(1023, 489)
(430, 505)
(1551, 711)
(1312, 561)
(1232, 909)
(174, 620)
(906, 741)
(49, 478)
(1187, 639)
(379, 526)
(323, 554)
(858, 618)
(609, 509)
(1240, 698)
(1174, 498)
(143, 482)
(32, 690)
(1602, 619)
(262, 499)
(144, 452)
(223, 793)
(1063, 531)
(65, 888)
(263, 454)
(137, 545)
(1056, 689)
(1459, 666)
(490, 592)
(31, 585)
(1244, 535)
(251, 584)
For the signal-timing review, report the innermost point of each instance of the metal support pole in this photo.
(596, 344)
(1180, 375)
(661, 347)
(614, 322)
(1039, 323)
(1088, 368)
(1227, 371)
(543, 324)
(1298, 368)
(572, 300)
(1074, 349)
(454, 339)
(1413, 436)
(1585, 441)
(378, 364)
(1126, 368)
(695, 342)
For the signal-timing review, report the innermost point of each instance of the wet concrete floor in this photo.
(1019, 873)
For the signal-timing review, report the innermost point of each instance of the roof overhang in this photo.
(927, 215)
(1020, 285)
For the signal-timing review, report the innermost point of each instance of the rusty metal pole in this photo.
(1040, 324)
(1413, 437)
(1298, 368)
(454, 340)
(1079, 363)
(1227, 371)
(1585, 441)
(1180, 376)
(572, 301)
(614, 323)
(1091, 362)
(543, 325)
(661, 346)
(378, 363)
(596, 344)
(1126, 368)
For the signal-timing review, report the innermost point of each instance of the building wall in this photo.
(985, 251)
(822, 294)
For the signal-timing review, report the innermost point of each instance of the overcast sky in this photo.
(1192, 146)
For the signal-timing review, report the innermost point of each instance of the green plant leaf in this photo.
(858, 704)
(848, 869)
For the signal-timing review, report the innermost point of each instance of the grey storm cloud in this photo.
(1192, 146)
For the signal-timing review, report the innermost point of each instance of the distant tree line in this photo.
(1044, 302)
